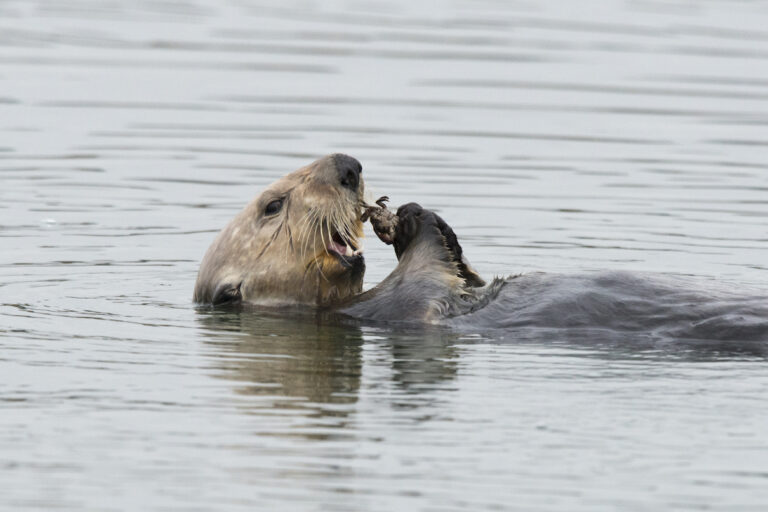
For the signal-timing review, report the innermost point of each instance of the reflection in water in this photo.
(302, 361)
(423, 360)
(321, 367)
(295, 363)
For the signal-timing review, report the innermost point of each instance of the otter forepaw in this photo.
(409, 217)
(412, 218)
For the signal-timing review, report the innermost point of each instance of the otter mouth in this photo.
(346, 251)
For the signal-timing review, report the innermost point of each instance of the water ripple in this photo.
(553, 136)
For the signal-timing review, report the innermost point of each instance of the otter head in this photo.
(296, 243)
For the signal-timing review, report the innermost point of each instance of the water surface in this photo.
(553, 136)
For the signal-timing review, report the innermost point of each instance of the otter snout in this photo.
(349, 171)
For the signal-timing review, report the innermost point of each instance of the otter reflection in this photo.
(315, 364)
(281, 356)
(423, 359)
(311, 367)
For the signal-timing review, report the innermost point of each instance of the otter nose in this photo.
(349, 171)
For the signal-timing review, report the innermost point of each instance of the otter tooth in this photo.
(348, 250)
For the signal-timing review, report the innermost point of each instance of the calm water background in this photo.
(554, 136)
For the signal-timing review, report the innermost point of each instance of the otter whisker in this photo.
(328, 226)
(320, 229)
(320, 271)
(332, 223)
(286, 227)
(314, 241)
(331, 226)
(311, 228)
(341, 221)
(316, 262)
(349, 230)
(349, 227)
(323, 227)
(346, 228)
(308, 226)
(301, 233)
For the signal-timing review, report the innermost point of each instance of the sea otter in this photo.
(298, 243)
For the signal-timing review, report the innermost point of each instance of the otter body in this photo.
(298, 244)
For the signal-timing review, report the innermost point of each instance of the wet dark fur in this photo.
(433, 283)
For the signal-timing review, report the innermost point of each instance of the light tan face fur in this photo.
(284, 257)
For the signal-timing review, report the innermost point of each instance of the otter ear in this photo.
(227, 293)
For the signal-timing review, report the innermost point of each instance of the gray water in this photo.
(553, 136)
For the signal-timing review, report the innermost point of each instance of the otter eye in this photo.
(273, 207)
